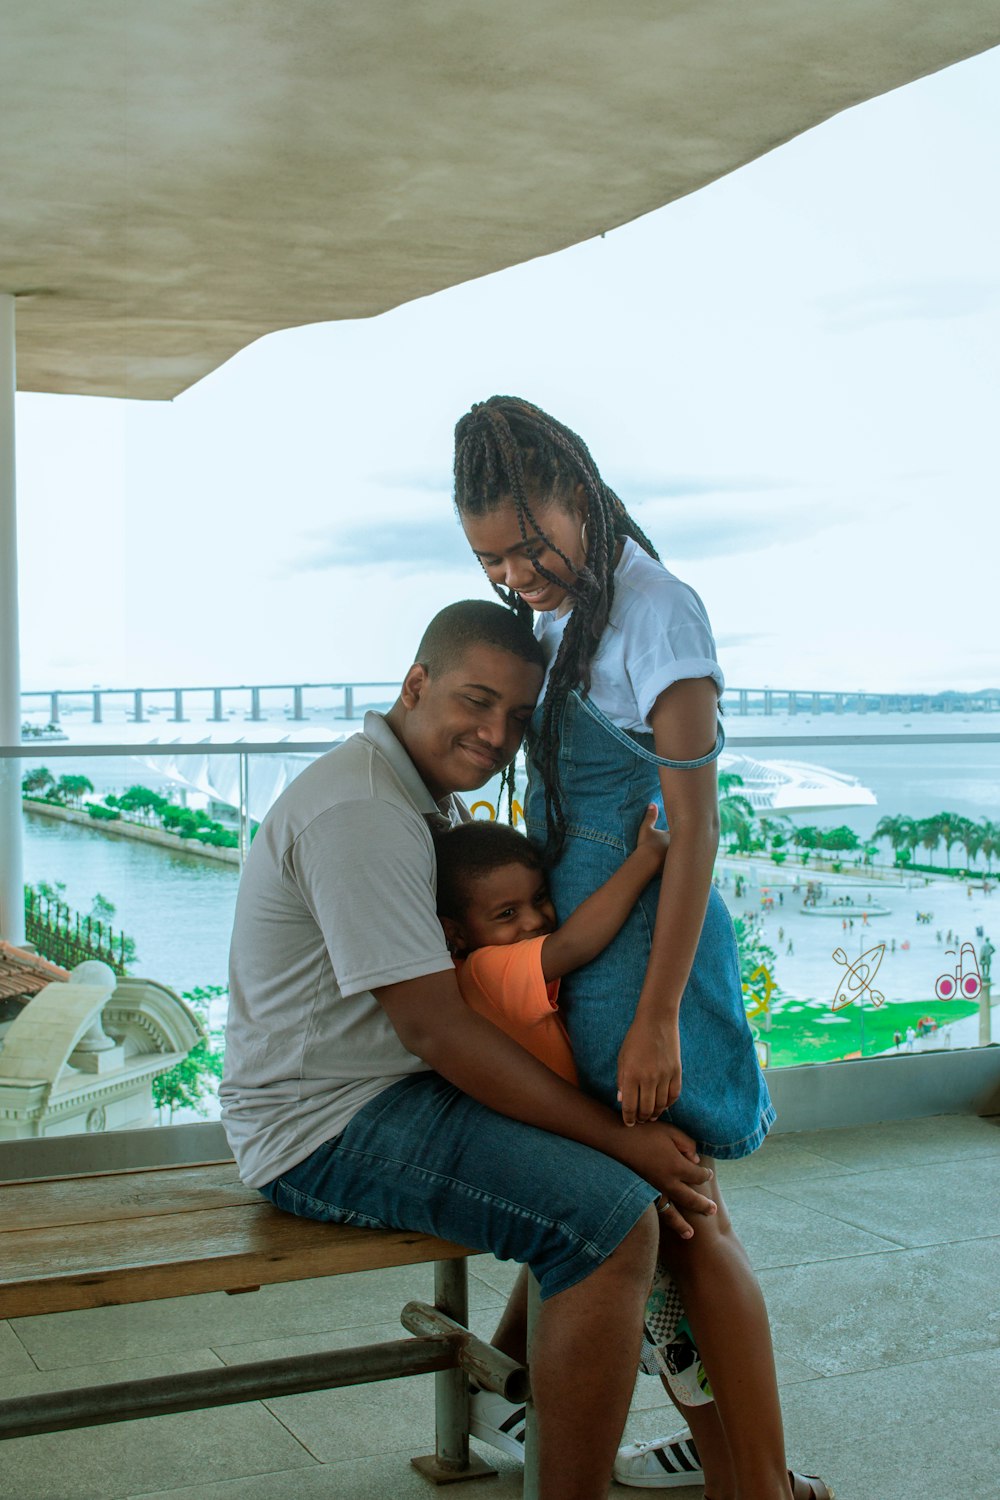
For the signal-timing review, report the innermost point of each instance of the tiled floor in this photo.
(878, 1250)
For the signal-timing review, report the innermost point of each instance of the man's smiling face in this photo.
(461, 726)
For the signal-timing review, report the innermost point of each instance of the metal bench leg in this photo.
(531, 1489)
(451, 1459)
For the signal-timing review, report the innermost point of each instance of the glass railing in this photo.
(859, 871)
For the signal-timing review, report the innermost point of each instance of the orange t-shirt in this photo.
(506, 985)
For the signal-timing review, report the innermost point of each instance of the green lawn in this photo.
(809, 1031)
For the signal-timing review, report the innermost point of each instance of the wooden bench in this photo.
(133, 1236)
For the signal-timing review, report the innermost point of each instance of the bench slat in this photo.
(121, 1195)
(118, 1237)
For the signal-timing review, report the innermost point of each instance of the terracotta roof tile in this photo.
(23, 974)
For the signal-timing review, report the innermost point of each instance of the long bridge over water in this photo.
(305, 701)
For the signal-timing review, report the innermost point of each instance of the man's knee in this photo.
(637, 1251)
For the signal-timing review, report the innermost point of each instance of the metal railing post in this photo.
(244, 808)
(11, 824)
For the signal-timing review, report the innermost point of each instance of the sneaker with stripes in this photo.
(497, 1422)
(663, 1464)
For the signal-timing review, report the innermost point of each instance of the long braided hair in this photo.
(508, 451)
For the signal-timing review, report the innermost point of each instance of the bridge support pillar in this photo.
(348, 702)
(216, 705)
(179, 706)
(138, 717)
(297, 703)
(255, 704)
(53, 708)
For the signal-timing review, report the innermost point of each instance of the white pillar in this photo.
(11, 857)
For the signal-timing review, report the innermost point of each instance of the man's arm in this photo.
(433, 1022)
(599, 919)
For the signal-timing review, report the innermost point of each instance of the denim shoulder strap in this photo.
(640, 750)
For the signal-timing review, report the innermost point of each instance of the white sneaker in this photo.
(497, 1422)
(663, 1464)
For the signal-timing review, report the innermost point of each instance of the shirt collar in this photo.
(442, 814)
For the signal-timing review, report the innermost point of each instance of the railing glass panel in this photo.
(850, 948)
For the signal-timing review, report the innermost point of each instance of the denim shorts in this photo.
(424, 1156)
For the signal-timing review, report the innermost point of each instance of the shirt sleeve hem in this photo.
(396, 974)
(682, 671)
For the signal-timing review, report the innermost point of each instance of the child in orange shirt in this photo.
(500, 924)
(498, 918)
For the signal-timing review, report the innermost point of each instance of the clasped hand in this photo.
(667, 1159)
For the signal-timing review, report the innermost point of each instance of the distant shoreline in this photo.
(121, 828)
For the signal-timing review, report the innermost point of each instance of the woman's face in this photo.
(509, 558)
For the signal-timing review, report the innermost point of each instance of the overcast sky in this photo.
(791, 377)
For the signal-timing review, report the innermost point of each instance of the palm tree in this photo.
(896, 829)
(736, 813)
(40, 780)
(777, 830)
(989, 843)
(950, 828)
(73, 788)
(970, 836)
(929, 835)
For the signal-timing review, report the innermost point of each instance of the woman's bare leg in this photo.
(725, 1308)
(710, 1440)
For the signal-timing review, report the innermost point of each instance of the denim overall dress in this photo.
(608, 777)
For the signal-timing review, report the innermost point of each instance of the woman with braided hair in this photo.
(628, 716)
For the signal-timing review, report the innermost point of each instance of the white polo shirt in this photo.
(657, 634)
(338, 897)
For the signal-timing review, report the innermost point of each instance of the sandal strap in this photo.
(818, 1488)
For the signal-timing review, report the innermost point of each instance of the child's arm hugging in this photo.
(589, 930)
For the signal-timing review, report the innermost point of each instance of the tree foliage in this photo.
(194, 1079)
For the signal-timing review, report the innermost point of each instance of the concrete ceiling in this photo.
(180, 177)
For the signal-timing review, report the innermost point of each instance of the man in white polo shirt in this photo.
(359, 1088)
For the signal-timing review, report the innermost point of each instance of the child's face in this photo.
(504, 906)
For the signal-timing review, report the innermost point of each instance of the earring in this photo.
(583, 538)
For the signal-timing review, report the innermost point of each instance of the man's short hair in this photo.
(472, 849)
(475, 622)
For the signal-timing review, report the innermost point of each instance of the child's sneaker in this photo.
(497, 1422)
(668, 1347)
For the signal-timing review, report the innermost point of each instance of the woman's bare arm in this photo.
(684, 724)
